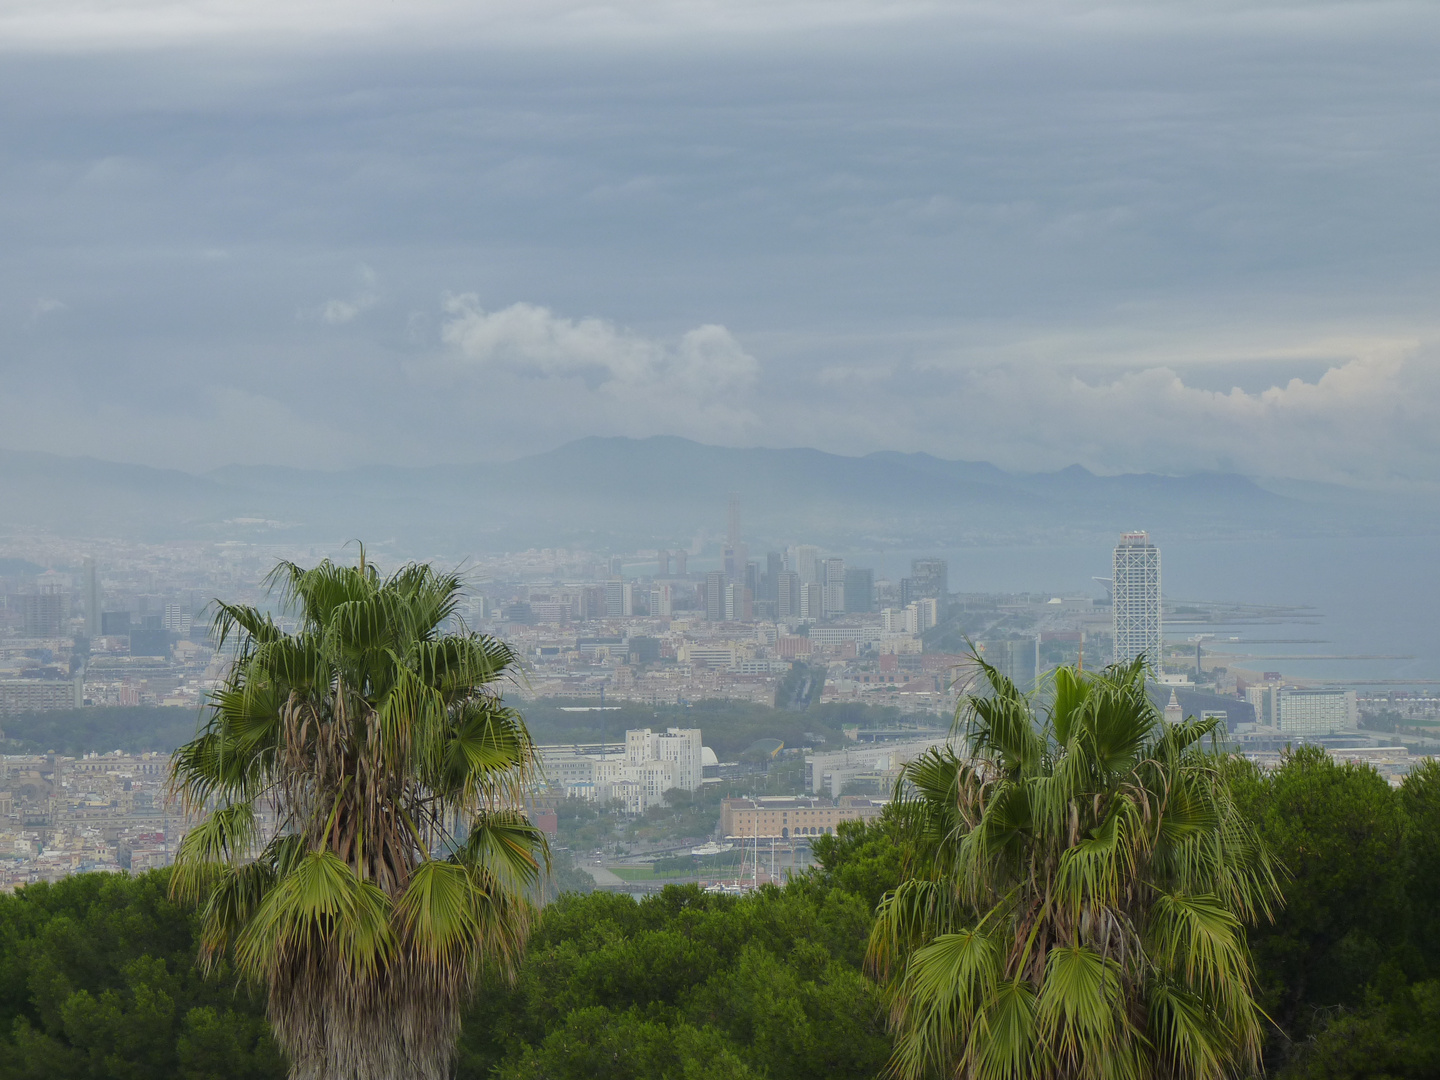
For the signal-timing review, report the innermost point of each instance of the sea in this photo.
(1352, 611)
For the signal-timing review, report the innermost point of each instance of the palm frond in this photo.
(1080, 888)
(375, 734)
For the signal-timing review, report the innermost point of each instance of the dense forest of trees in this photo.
(131, 729)
(97, 973)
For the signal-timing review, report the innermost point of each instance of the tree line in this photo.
(98, 976)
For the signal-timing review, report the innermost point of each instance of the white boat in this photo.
(712, 848)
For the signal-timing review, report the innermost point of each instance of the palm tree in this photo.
(1078, 903)
(362, 853)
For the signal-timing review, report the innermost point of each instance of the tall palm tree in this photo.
(1078, 905)
(362, 852)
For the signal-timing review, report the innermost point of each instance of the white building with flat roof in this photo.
(1309, 713)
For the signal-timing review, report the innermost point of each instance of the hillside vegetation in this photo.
(97, 974)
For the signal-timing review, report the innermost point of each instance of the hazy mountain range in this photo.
(667, 491)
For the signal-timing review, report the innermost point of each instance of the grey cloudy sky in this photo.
(1159, 236)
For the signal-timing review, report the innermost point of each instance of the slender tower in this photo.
(1136, 600)
(92, 600)
(736, 555)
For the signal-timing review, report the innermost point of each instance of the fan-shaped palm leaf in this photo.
(361, 850)
(1079, 902)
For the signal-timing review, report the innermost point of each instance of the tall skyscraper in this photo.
(42, 611)
(787, 595)
(804, 561)
(1136, 600)
(774, 567)
(834, 597)
(662, 560)
(1014, 658)
(812, 601)
(859, 590)
(715, 595)
(928, 577)
(737, 603)
(680, 557)
(615, 598)
(735, 554)
(92, 600)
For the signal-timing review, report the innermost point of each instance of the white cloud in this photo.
(700, 383)
(45, 305)
(1372, 418)
(338, 312)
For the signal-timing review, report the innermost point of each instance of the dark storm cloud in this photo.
(1036, 234)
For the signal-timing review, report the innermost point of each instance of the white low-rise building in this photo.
(651, 764)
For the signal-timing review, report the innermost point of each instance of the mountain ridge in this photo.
(618, 491)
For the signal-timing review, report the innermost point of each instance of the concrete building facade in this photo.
(1310, 713)
(784, 818)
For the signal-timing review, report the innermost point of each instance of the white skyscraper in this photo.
(1136, 618)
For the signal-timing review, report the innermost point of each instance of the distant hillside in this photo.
(659, 491)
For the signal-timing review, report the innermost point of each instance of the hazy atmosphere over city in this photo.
(1160, 237)
(719, 540)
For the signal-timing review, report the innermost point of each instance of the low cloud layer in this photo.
(1372, 420)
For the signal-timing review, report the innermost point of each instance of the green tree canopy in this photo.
(865, 858)
(98, 982)
(398, 861)
(1420, 804)
(1079, 895)
(688, 984)
(1339, 830)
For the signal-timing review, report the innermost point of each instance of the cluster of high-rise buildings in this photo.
(655, 627)
(127, 628)
(799, 583)
(128, 632)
